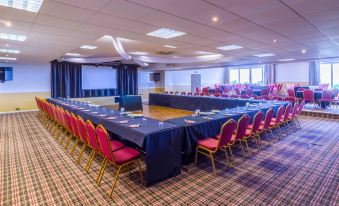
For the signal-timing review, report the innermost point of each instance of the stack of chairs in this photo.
(65, 126)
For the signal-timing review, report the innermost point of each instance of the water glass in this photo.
(122, 109)
(161, 125)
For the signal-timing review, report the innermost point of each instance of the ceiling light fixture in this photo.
(27, 5)
(139, 53)
(286, 60)
(274, 40)
(303, 51)
(169, 46)
(8, 58)
(13, 37)
(12, 51)
(264, 55)
(165, 33)
(229, 47)
(72, 54)
(215, 19)
(88, 47)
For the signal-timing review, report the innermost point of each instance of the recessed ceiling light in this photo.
(169, 46)
(7, 45)
(303, 51)
(165, 33)
(229, 47)
(203, 52)
(139, 53)
(274, 40)
(72, 54)
(88, 47)
(286, 60)
(264, 55)
(12, 51)
(27, 5)
(13, 37)
(8, 58)
(6, 23)
(215, 19)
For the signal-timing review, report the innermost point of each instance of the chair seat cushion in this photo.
(125, 155)
(208, 143)
(248, 132)
(115, 145)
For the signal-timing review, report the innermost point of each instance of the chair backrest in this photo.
(224, 95)
(217, 94)
(68, 121)
(295, 110)
(82, 130)
(205, 90)
(244, 96)
(290, 93)
(288, 110)
(74, 125)
(183, 93)
(327, 95)
(280, 114)
(274, 91)
(226, 132)
(103, 139)
(92, 138)
(197, 90)
(257, 121)
(242, 126)
(217, 90)
(301, 107)
(268, 118)
(290, 99)
(249, 92)
(277, 98)
(237, 91)
(308, 94)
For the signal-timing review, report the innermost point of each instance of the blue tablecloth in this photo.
(163, 146)
(317, 95)
(204, 103)
(256, 92)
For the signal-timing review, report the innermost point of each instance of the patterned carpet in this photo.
(300, 169)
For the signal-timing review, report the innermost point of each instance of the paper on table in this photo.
(189, 121)
(123, 122)
(134, 126)
(110, 118)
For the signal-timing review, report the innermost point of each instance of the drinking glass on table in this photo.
(161, 125)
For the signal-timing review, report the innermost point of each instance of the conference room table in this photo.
(162, 144)
(316, 95)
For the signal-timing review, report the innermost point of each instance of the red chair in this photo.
(286, 115)
(308, 96)
(83, 136)
(244, 96)
(249, 92)
(68, 126)
(293, 115)
(75, 133)
(252, 131)
(276, 121)
(290, 99)
(274, 91)
(120, 158)
(217, 94)
(290, 93)
(277, 98)
(94, 144)
(326, 97)
(240, 133)
(265, 97)
(197, 90)
(237, 91)
(210, 146)
(217, 90)
(265, 125)
(206, 90)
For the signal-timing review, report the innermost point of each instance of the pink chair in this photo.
(244, 96)
(217, 90)
(290, 93)
(252, 131)
(210, 146)
(94, 144)
(83, 136)
(68, 126)
(290, 99)
(265, 125)
(120, 159)
(274, 91)
(326, 97)
(224, 95)
(308, 96)
(75, 133)
(197, 90)
(206, 90)
(240, 133)
(276, 121)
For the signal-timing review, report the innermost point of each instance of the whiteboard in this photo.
(99, 77)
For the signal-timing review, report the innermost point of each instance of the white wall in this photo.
(28, 78)
(292, 72)
(183, 77)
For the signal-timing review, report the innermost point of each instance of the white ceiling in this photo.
(62, 26)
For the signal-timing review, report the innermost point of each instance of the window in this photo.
(246, 75)
(329, 74)
(234, 76)
(257, 75)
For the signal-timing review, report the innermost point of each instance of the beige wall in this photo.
(20, 101)
(145, 91)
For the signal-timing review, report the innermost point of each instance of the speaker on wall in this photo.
(6, 74)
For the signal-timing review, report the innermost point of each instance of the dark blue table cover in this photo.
(163, 147)
(317, 95)
(192, 103)
(256, 92)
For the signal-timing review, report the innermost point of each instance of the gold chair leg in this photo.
(115, 181)
(102, 171)
(74, 147)
(213, 165)
(228, 162)
(233, 160)
(140, 172)
(81, 152)
(68, 141)
(90, 160)
(242, 149)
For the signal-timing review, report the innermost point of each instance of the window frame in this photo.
(331, 83)
(250, 74)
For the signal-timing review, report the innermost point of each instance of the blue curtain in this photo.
(127, 79)
(314, 73)
(269, 74)
(66, 79)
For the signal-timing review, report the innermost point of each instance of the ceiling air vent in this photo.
(165, 52)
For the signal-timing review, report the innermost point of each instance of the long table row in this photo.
(165, 146)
